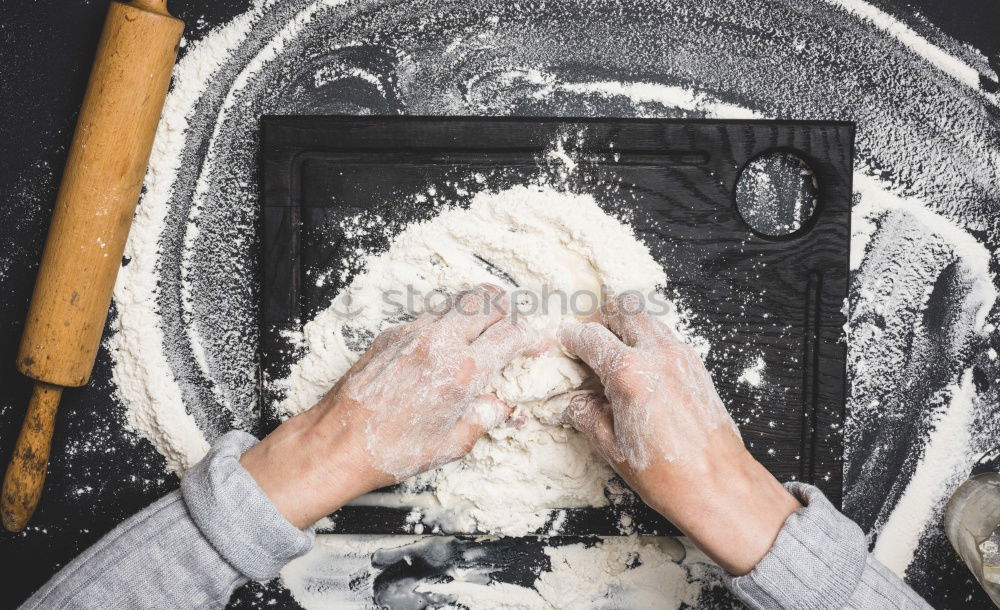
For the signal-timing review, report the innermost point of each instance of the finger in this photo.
(475, 311)
(483, 414)
(381, 341)
(417, 325)
(394, 334)
(386, 338)
(486, 412)
(591, 415)
(501, 343)
(626, 316)
(597, 346)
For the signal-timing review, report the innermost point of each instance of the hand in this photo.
(664, 429)
(412, 402)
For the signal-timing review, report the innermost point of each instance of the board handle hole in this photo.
(776, 194)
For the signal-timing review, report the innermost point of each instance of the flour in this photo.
(585, 576)
(563, 252)
(141, 369)
(956, 67)
(753, 375)
(941, 469)
(647, 570)
(634, 572)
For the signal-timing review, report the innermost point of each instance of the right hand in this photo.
(664, 429)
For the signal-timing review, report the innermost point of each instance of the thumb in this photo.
(597, 346)
(484, 413)
(591, 414)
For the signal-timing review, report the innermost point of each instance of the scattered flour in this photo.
(632, 572)
(753, 375)
(141, 368)
(941, 468)
(957, 68)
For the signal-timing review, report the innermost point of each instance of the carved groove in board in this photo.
(812, 340)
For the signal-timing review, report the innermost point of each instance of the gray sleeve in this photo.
(190, 549)
(820, 560)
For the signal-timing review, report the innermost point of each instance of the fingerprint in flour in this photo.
(924, 133)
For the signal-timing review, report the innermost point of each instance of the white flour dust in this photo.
(627, 572)
(941, 467)
(753, 375)
(559, 248)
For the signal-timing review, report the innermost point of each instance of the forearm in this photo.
(730, 505)
(820, 559)
(189, 549)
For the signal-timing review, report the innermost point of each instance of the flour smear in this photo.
(927, 170)
(632, 572)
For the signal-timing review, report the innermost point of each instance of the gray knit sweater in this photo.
(192, 548)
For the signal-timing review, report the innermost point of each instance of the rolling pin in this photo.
(97, 198)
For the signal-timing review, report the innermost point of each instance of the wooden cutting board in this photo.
(754, 295)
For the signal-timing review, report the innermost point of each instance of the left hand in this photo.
(412, 402)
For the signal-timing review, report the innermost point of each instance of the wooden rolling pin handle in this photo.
(22, 485)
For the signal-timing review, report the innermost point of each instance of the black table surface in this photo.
(47, 50)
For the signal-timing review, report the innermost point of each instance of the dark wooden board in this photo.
(752, 294)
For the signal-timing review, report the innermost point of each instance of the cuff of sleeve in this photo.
(235, 515)
(816, 561)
